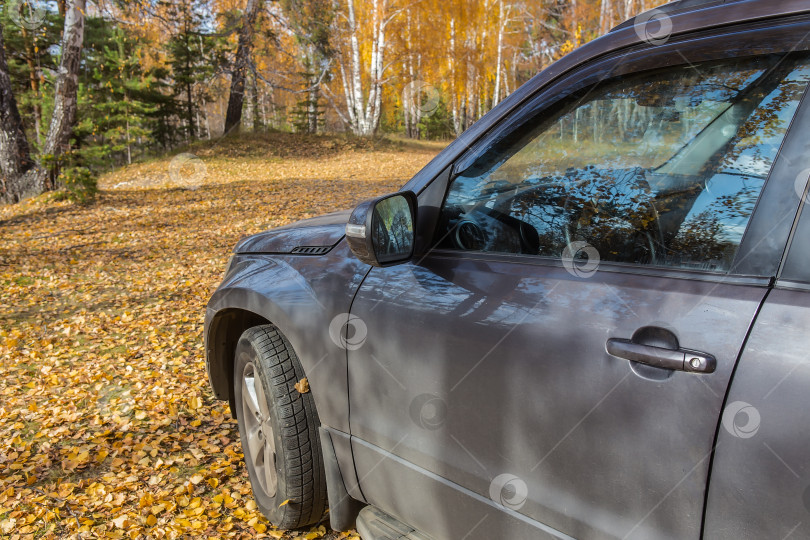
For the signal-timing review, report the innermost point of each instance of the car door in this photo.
(557, 364)
(760, 482)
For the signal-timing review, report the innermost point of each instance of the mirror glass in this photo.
(392, 229)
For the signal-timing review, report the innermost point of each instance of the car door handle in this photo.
(676, 359)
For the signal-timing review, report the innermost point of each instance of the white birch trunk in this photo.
(348, 118)
(372, 69)
(375, 109)
(15, 154)
(605, 16)
(496, 94)
(453, 79)
(629, 7)
(66, 92)
(364, 113)
(355, 100)
(409, 107)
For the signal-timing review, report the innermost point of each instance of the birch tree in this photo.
(310, 21)
(364, 101)
(457, 129)
(15, 157)
(22, 178)
(57, 143)
(503, 20)
(606, 16)
(412, 95)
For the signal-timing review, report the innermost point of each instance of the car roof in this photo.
(681, 17)
(732, 8)
(671, 8)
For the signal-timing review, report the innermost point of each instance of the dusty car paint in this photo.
(322, 231)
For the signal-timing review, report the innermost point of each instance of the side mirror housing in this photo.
(380, 232)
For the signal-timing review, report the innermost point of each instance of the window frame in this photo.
(795, 267)
(755, 258)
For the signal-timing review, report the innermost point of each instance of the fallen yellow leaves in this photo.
(7, 525)
(109, 428)
(302, 386)
(283, 157)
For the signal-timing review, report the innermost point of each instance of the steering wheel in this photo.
(650, 240)
(470, 236)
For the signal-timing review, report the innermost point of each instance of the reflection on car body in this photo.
(586, 318)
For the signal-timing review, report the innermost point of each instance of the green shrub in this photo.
(77, 184)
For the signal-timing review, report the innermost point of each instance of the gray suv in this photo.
(588, 317)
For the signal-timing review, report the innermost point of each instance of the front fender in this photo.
(301, 296)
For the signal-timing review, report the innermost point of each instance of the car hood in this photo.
(319, 233)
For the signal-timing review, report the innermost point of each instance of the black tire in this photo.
(266, 366)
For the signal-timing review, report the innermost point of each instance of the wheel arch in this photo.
(232, 310)
(302, 297)
(224, 330)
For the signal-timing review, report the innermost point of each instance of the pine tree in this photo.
(241, 64)
(308, 112)
(115, 98)
(311, 21)
(190, 60)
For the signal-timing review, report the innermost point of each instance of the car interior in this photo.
(661, 168)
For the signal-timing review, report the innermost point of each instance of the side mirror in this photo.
(381, 231)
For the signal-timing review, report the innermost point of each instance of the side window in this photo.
(660, 168)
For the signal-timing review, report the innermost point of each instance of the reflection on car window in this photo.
(660, 168)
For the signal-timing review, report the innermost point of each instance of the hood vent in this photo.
(311, 250)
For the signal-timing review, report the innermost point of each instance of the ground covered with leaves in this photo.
(107, 424)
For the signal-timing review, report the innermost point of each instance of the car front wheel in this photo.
(278, 429)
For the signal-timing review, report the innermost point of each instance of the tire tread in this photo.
(304, 475)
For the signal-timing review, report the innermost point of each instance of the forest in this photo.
(87, 86)
(141, 140)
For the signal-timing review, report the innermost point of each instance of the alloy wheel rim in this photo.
(260, 447)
